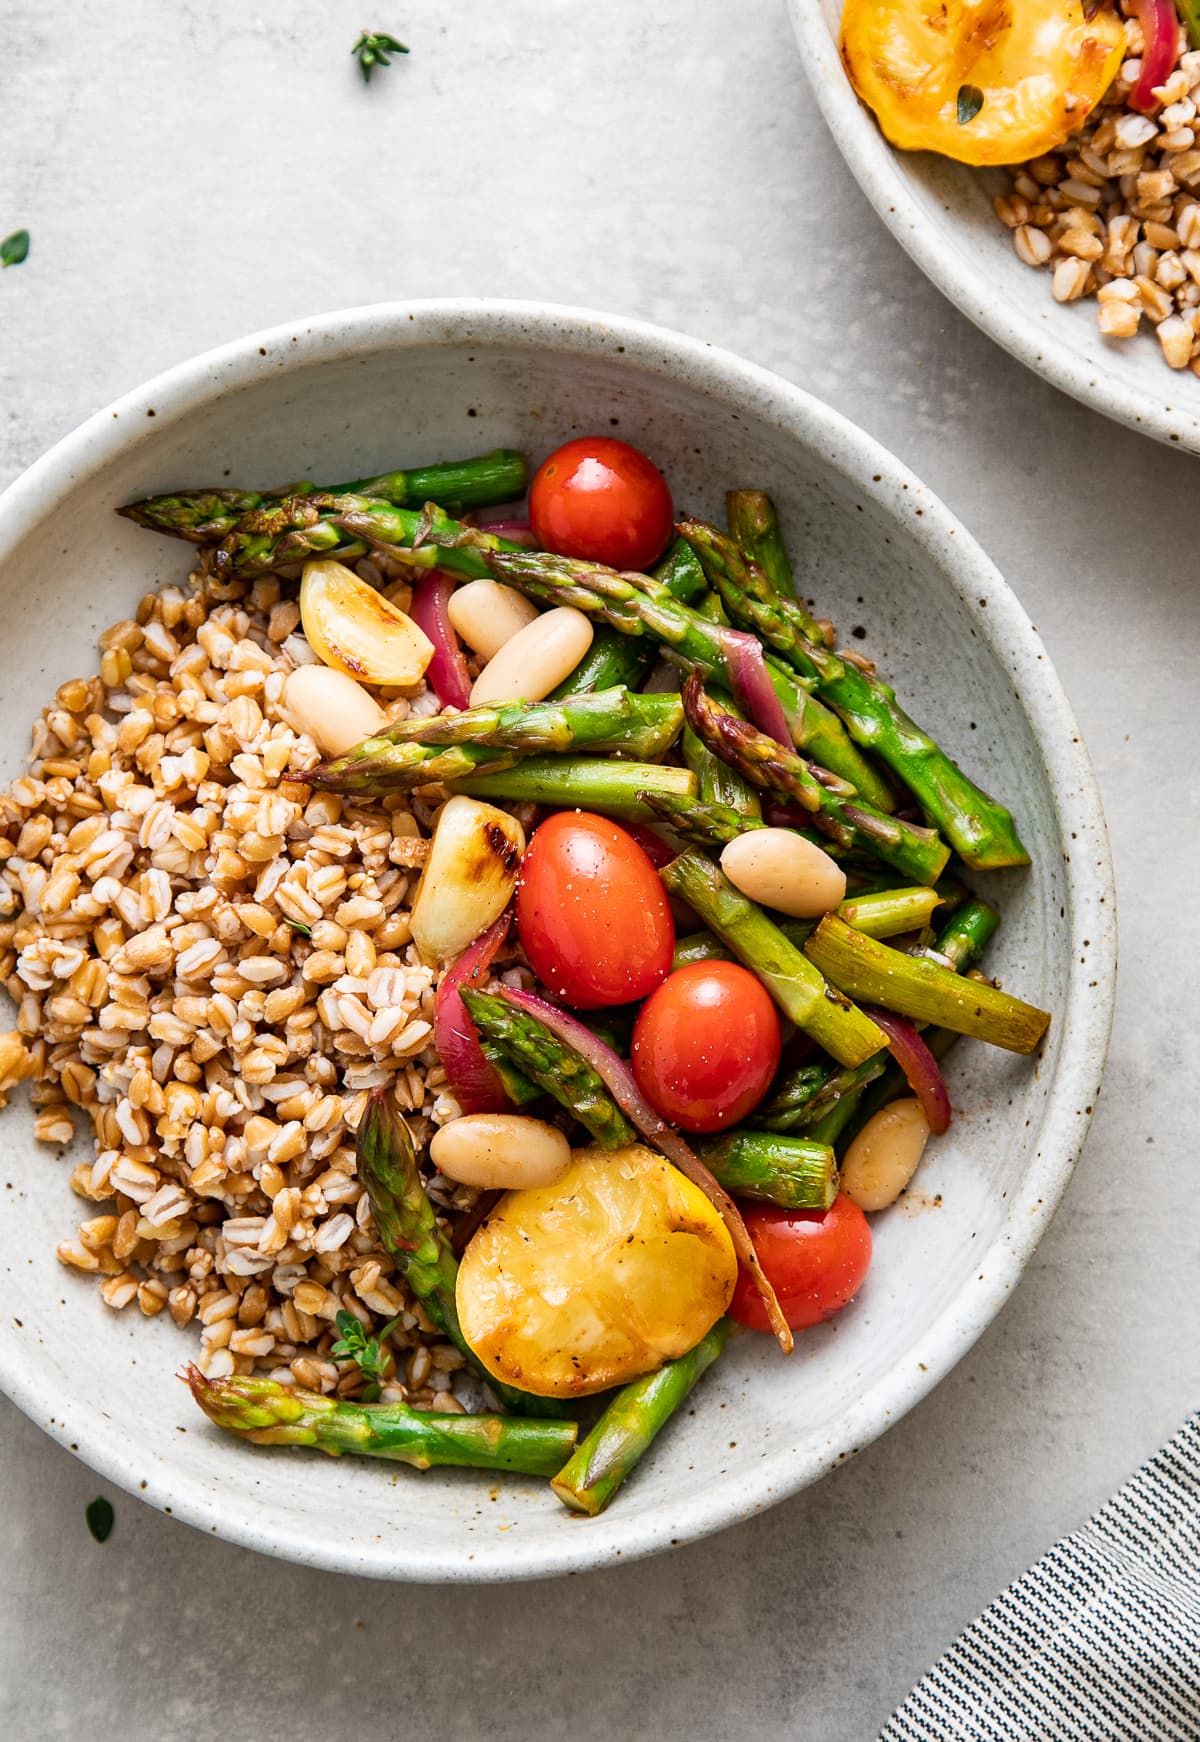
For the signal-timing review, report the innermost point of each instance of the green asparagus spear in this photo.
(681, 573)
(804, 997)
(979, 828)
(961, 942)
(705, 825)
(626, 1430)
(835, 808)
(584, 782)
(792, 1172)
(963, 938)
(207, 516)
(804, 1097)
(720, 783)
(408, 1229)
(271, 1414)
(642, 607)
(883, 913)
(554, 1066)
(284, 532)
(754, 525)
(413, 752)
(612, 659)
(921, 989)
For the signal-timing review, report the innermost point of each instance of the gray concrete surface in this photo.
(191, 172)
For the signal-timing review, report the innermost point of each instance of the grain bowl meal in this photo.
(1092, 105)
(500, 951)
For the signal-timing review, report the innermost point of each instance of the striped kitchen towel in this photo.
(1098, 1642)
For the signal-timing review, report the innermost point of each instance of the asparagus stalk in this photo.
(980, 829)
(720, 783)
(588, 783)
(915, 851)
(640, 606)
(612, 659)
(553, 1065)
(626, 1430)
(965, 936)
(961, 942)
(754, 525)
(270, 1414)
(704, 825)
(408, 1229)
(883, 913)
(806, 1096)
(207, 516)
(452, 746)
(680, 571)
(283, 533)
(804, 996)
(921, 989)
(789, 1171)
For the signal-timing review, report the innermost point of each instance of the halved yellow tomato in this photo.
(620, 1265)
(355, 629)
(982, 81)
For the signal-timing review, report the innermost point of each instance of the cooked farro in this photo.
(1115, 214)
(211, 965)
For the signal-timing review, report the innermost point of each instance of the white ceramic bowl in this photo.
(349, 394)
(941, 213)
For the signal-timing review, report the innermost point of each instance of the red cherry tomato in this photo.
(601, 499)
(592, 914)
(706, 1045)
(814, 1259)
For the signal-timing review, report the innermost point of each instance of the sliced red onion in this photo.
(1160, 29)
(752, 684)
(918, 1064)
(473, 1082)
(618, 1078)
(513, 531)
(447, 673)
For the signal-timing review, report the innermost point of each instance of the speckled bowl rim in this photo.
(106, 1444)
(879, 171)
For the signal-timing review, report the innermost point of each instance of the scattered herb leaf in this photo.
(373, 1361)
(970, 102)
(99, 1515)
(375, 48)
(14, 248)
(305, 931)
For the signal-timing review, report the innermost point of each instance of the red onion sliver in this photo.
(447, 673)
(618, 1078)
(918, 1064)
(752, 684)
(473, 1082)
(512, 531)
(1160, 28)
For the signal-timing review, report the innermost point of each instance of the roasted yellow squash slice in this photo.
(621, 1265)
(983, 81)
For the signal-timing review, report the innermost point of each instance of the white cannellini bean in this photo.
(336, 712)
(885, 1155)
(780, 869)
(500, 1151)
(536, 659)
(487, 614)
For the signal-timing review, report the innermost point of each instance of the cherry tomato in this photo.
(592, 914)
(814, 1259)
(601, 499)
(706, 1045)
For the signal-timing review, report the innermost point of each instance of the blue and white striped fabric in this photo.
(1098, 1642)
